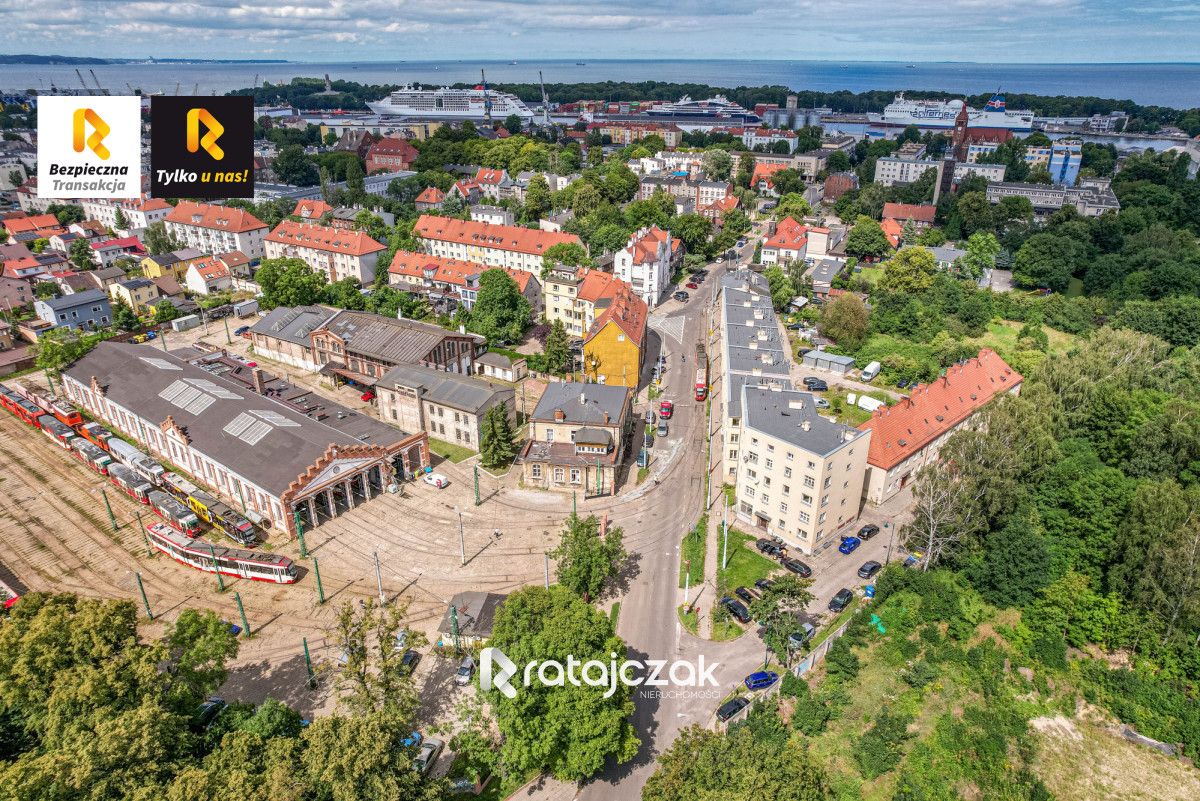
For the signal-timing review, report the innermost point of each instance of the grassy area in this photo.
(724, 630)
(1002, 336)
(744, 565)
(690, 620)
(694, 544)
(870, 274)
(1075, 288)
(614, 614)
(642, 473)
(448, 450)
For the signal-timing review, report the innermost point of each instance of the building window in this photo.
(535, 470)
(575, 475)
(783, 508)
(805, 517)
(787, 490)
(559, 475)
(810, 482)
(549, 435)
(770, 463)
(749, 492)
(812, 465)
(766, 498)
(787, 472)
(806, 499)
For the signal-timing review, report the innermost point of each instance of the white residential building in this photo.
(139, 214)
(646, 262)
(217, 229)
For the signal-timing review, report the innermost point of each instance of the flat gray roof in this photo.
(221, 416)
(793, 417)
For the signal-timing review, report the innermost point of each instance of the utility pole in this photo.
(216, 569)
(476, 470)
(312, 678)
(891, 539)
(300, 534)
(725, 537)
(145, 536)
(574, 503)
(462, 541)
(687, 583)
(142, 590)
(547, 569)
(111, 517)
(379, 579)
(237, 596)
(228, 338)
(320, 588)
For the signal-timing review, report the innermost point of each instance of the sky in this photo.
(389, 30)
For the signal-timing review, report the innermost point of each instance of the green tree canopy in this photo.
(500, 311)
(846, 321)
(587, 561)
(289, 282)
(866, 238)
(910, 270)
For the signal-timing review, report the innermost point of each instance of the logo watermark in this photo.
(496, 670)
(89, 147)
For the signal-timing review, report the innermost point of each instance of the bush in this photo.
(919, 675)
(841, 663)
(879, 749)
(811, 712)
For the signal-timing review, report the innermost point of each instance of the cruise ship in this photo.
(718, 107)
(450, 104)
(902, 112)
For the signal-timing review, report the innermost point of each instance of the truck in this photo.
(870, 371)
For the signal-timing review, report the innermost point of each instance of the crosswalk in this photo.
(669, 326)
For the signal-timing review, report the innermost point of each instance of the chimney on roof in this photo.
(256, 376)
(560, 415)
(806, 425)
(606, 418)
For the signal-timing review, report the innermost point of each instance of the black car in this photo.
(841, 600)
(869, 569)
(809, 380)
(763, 584)
(868, 531)
(818, 386)
(744, 594)
(768, 547)
(731, 708)
(737, 609)
(681, 296)
(410, 660)
(799, 568)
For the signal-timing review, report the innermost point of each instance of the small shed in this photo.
(473, 614)
(831, 362)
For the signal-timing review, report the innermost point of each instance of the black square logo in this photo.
(202, 147)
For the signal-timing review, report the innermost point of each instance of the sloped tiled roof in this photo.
(933, 409)
(486, 235)
(916, 212)
(627, 311)
(892, 230)
(324, 237)
(38, 222)
(447, 271)
(311, 209)
(789, 235)
(432, 195)
(221, 218)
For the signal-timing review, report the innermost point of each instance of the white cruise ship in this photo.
(450, 104)
(718, 106)
(902, 112)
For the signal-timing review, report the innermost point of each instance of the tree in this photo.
(158, 241)
(974, 213)
(294, 167)
(792, 205)
(66, 213)
(586, 561)
(496, 446)
(81, 254)
(58, 348)
(946, 511)
(557, 348)
(587, 198)
(911, 270)
(866, 238)
(44, 290)
(453, 205)
(123, 317)
(345, 294)
(693, 230)
(838, 162)
(777, 608)
(372, 639)
(1015, 564)
(500, 311)
(355, 176)
(610, 238)
(717, 164)
(197, 648)
(781, 287)
(1047, 260)
(537, 198)
(982, 249)
(1170, 584)
(567, 254)
(569, 731)
(787, 182)
(289, 282)
(512, 124)
(364, 756)
(846, 321)
(165, 311)
(39, 245)
(734, 765)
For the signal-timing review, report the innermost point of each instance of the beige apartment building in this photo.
(800, 476)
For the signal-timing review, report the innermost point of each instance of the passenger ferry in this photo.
(718, 107)
(450, 104)
(941, 114)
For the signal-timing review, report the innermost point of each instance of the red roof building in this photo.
(921, 214)
(907, 436)
(893, 230)
(217, 229)
(430, 198)
(389, 154)
(337, 252)
(788, 243)
(422, 272)
(491, 245)
(311, 209)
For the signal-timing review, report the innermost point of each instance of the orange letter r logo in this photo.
(100, 130)
(194, 117)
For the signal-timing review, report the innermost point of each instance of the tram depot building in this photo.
(263, 453)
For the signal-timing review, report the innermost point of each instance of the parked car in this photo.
(650, 418)
(692, 285)
(681, 296)
(868, 531)
(410, 660)
(744, 594)
(763, 584)
(662, 428)
(821, 403)
(869, 569)
(761, 679)
(737, 609)
(809, 380)
(903, 383)
(799, 568)
(466, 669)
(241, 330)
(818, 386)
(436, 480)
(730, 708)
(741, 243)
(801, 638)
(849, 544)
(767, 547)
(666, 409)
(207, 712)
(431, 749)
(367, 396)
(841, 600)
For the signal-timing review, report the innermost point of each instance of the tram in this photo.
(90, 455)
(130, 482)
(176, 515)
(59, 433)
(95, 433)
(215, 558)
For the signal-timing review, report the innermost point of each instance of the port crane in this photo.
(487, 99)
(545, 101)
(96, 81)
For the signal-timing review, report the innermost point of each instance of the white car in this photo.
(436, 480)
(822, 403)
